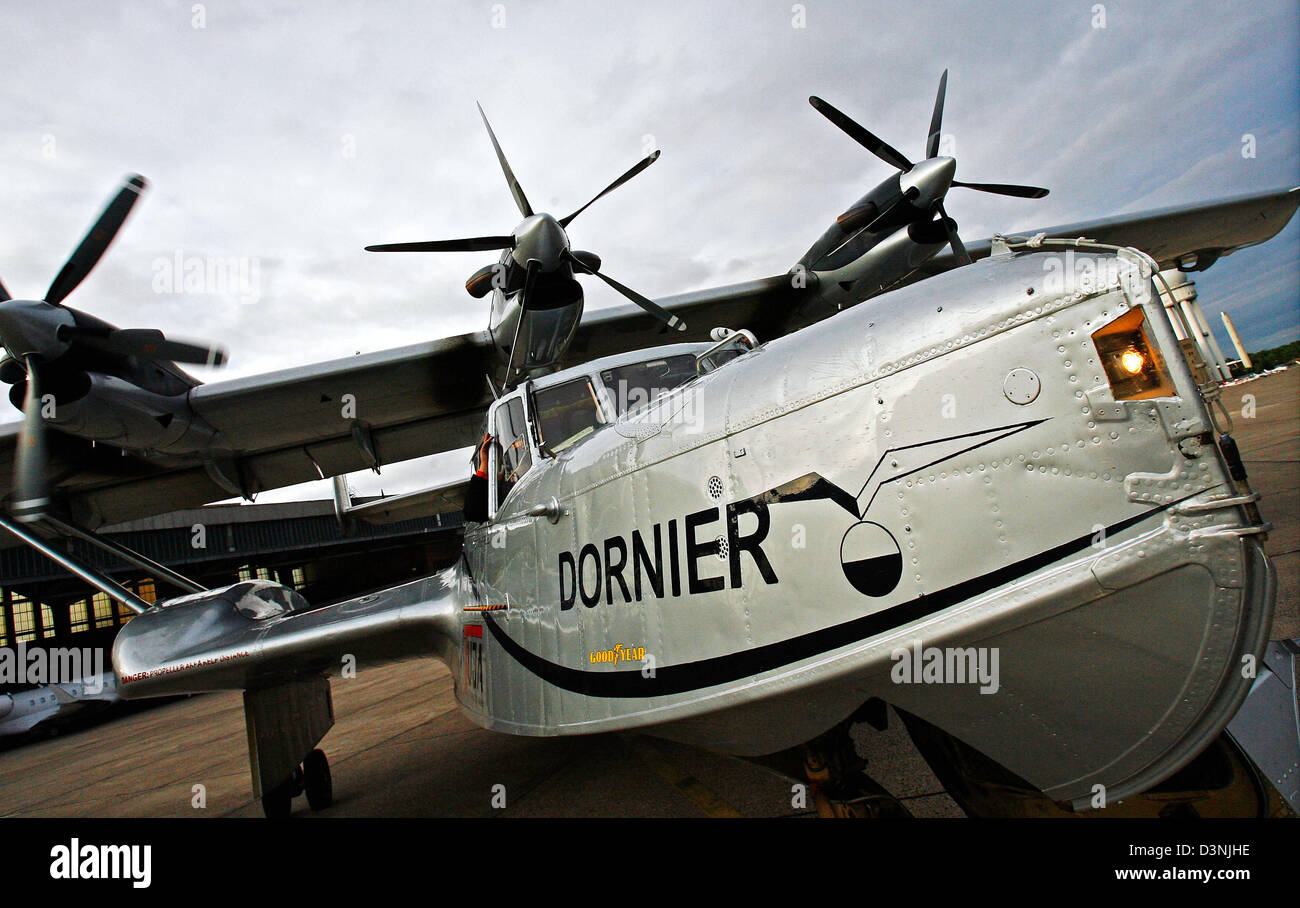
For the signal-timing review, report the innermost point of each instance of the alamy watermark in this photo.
(947, 665)
(661, 407)
(76, 861)
(239, 276)
(57, 665)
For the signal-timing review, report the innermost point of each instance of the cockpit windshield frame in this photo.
(604, 391)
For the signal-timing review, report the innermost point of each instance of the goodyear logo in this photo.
(619, 653)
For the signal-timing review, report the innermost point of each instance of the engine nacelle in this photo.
(879, 268)
(117, 412)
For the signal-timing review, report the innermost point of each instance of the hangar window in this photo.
(103, 609)
(24, 619)
(78, 616)
(47, 621)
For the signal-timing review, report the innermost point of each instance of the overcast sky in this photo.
(280, 138)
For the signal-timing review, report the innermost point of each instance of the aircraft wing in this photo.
(446, 498)
(326, 419)
(284, 428)
(1209, 231)
(764, 306)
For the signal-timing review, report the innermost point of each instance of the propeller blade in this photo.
(31, 493)
(96, 240)
(144, 343)
(950, 228)
(650, 306)
(877, 146)
(530, 277)
(1019, 192)
(4, 293)
(642, 165)
(470, 244)
(936, 120)
(196, 354)
(515, 189)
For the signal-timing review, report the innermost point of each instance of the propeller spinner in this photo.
(539, 250)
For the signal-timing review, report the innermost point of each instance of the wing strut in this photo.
(100, 581)
(109, 587)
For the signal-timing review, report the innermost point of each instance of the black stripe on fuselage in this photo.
(689, 676)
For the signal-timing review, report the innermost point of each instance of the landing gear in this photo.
(836, 775)
(840, 786)
(277, 804)
(317, 781)
(312, 777)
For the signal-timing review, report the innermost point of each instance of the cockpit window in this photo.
(637, 385)
(567, 414)
(717, 358)
(512, 435)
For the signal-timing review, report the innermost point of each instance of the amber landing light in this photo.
(1132, 361)
(1134, 367)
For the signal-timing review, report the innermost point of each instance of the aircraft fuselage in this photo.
(948, 465)
(995, 500)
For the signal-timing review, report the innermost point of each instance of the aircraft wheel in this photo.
(277, 804)
(317, 780)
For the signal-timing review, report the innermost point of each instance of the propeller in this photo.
(632, 171)
(1019, 192)
(471, 244)
(650, 306)
(924, 183)
(49, 329)
(539, 249)
(872, 143)
(46, 339)
(936, 118)
(950, 228)
(515, 189)
(96, 241)
(143, 343)
(530, 279)
(31, 493)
